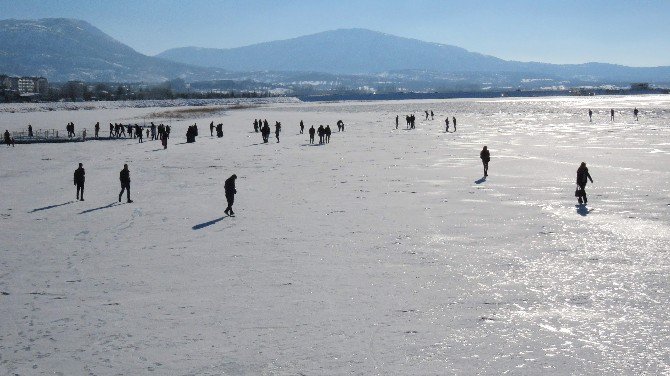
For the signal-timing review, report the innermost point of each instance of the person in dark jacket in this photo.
(453, 119)
(582, 177)
(124, 177)
(302, 127)
(485, 156)
(8, 138)
(327, 132)
(30, 130)
(311, 134)
(277, 130)
(590, 115)
(211, 129)
(229, 187)
(612, 115)
(79, 178)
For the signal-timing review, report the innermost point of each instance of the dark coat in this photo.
(583, 175)
(124, 176)
(229, 186)
(79, 176)
(485, 155)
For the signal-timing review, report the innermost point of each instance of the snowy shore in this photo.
(383, 252)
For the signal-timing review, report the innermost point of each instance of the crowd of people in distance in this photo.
(191, 133)
(636, 114)
(323, 132)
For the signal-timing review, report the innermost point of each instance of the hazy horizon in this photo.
(568, 32)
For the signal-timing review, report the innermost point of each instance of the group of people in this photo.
(9, 140)
(323, 132)
(80, 179)
(219, 130)
(124, 179)
(636, 114)
(411, 119)
(263, 127)
(70, 129)
(192, 132)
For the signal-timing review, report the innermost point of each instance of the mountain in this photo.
(361, 51)
(66, 49)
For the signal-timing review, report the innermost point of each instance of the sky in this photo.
(634, 33)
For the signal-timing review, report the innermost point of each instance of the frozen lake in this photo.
(383, 252)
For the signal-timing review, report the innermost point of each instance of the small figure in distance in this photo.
(590, 115)
(432, 116)
(612, 115)
(30, 130)
(485, 156)
(446, 122)
(396, 122)
(340, 126)
(79, 178)
(426, 114)
(635, 112)
(277, 130)
(96, 129)
(453, 118)
(302, 127)
(124, 177)
(111, 130)
(326, 133)
(582, 176)
(211, 129)
(8, 138)
(229, 187)
(140, 134)
(311, 134)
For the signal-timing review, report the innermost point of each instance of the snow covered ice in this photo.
(382, 252)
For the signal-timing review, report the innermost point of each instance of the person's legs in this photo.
(229, 209)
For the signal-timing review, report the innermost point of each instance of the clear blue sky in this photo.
(635, 33)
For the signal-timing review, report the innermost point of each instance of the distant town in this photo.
(38, 89)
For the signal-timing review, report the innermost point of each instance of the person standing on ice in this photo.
(454, 120)
(79, 178)
(426, 114)
(277, 130)
(635, 112)
(590, 115)
(302, 127)
(8, 138)
(96, 129)
(582, 176)
(311, 134)
(446, 123)
(485, 156)
(432, 116)
(327, 132)
(211, 129)
(124, 177)
(612, 115)
(229, 187)
(396, 122)
(30, 130)
(340, 126)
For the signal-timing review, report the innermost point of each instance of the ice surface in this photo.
(384, 252)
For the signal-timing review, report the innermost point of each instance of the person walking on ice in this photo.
(582, 176)
(635, 112)
(229, 188)
(612, 115)
(311, 134)
(446, 123)
(590, 115)
(124, 177)
(454, 120)
(79, 178)
(485, 156)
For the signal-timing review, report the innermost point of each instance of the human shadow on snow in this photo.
(100, 208)
(50, 207)
(582, 210)
(480, 180)
(206, 224)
